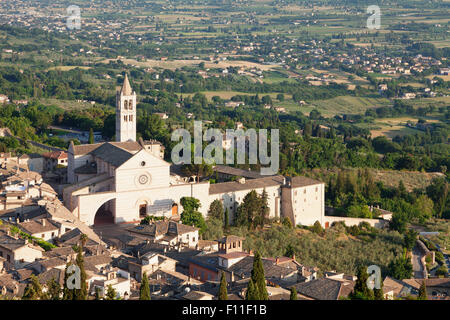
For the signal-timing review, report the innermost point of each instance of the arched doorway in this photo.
(143, 210)
(105, 214)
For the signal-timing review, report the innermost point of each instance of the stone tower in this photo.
(125, 113)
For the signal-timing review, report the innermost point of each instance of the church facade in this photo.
(126, 180)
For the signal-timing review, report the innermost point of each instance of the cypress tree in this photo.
(223, 293)
(422, 292)
(378, 293)
(68, 294)
(361, 291)
(144, 293)
(81, 294)
(111, 293)
(226, 219)
(97, 293)
(252, 291)
(293, 294)
(33, 291)
(54, 289)
(258, 277)
(91, 136)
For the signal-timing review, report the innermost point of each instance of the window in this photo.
(8, 258)
(304, 191)
(124, 118)
(125, 104)
(130, 104)
(317, 189)
(193, 239)
(43, 235)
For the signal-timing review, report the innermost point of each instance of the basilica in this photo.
(126, 180)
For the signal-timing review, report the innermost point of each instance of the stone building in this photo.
(126, 180)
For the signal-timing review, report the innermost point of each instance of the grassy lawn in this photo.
(348, 104)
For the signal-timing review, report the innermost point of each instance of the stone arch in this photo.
(106, 213)
(91, 203)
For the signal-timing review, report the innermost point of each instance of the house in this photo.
(33, 161)
(120, 282)
(238, 264)
(124, 181)
(162, 115)
(45, 229)
(324, 289)
(4, 99)
(54, 159)
(17, 252)
(168, 232)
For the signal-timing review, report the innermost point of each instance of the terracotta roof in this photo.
(251, 184)
(233, 255)
(85, 148)
(57, 274)
(126, 88)
(55, 155)
(35, 226)
(230, 238)
(324, 289)
(160, 228)
(112, 154)
(237, 172)
(297, 182)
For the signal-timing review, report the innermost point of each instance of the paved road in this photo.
(417, 265)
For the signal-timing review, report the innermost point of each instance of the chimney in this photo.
(293, 257)
(277, 261)
(43, 222)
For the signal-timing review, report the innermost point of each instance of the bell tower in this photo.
(125, 113)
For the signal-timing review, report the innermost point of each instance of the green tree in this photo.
(360, 290)
(144, 293)
(68, 294)
(422, 292)
(258, 277)
(33, 290)
(97, 293)
(216, 210)
(409, 239)
(317, 228)
(111, 293)
(54, 289)
(401, 268)
(378, 293)
(81, 294)
(293, 295)
(223, 293)
(190, 203)
(194, 218)
(91, 136)
(226, 219)
(252, 291)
